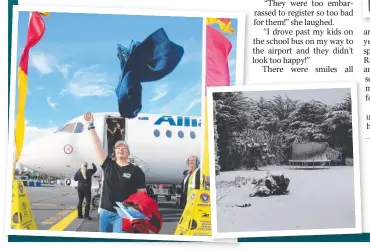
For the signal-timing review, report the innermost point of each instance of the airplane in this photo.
(159, 144)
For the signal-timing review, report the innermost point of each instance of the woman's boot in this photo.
(79, 210)
(87, 212)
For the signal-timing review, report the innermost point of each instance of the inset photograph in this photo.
(284, 160)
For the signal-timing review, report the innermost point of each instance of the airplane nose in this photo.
(27, 152)
(24, 154)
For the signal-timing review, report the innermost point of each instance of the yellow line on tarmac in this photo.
(48, 222)
(64, 223)
(45, 205)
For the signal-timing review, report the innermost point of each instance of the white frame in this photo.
(365, 8)
(113, 11)
(356, 157)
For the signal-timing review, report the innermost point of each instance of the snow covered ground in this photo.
(318, 199)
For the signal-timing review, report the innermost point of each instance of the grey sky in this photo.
(328, 96)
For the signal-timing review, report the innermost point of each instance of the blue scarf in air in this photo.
(151, 60)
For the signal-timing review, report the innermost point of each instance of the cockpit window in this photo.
(79, 128)
(69, 128)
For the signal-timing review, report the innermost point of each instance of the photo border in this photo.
(111, 11)
(365, 8)
(356, 167)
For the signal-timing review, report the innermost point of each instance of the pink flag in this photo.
(218, 48)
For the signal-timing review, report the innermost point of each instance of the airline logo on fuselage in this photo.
(179, 121)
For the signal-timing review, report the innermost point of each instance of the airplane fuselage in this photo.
(160, 145)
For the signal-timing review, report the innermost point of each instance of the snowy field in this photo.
(318, 199)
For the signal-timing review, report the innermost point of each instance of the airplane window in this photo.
(68, 128)
(168, 133)
(79, 128)
(181, 134)
(143, 118)
(192, 135)
(156, 133)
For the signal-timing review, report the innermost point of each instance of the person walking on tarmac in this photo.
(83, 176)
(191, 180)
(121, 179)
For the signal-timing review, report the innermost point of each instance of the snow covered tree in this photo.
(250, 133)
(345, 105)
(305, 121)
(229, 118)
(217, 154)
(338, 129)
(282, 108)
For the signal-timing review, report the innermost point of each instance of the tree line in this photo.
(252, 133)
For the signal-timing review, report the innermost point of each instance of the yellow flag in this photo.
(47, 14)
(205, 157)
(20, 118)
(36, 29)
(206, 149)
(223, 23)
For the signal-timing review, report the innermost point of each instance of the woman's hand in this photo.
(89, 117)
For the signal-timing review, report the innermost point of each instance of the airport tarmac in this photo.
(54, 208)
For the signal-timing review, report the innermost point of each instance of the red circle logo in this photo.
(68, 149)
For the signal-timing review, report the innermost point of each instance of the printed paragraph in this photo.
(297, 31)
